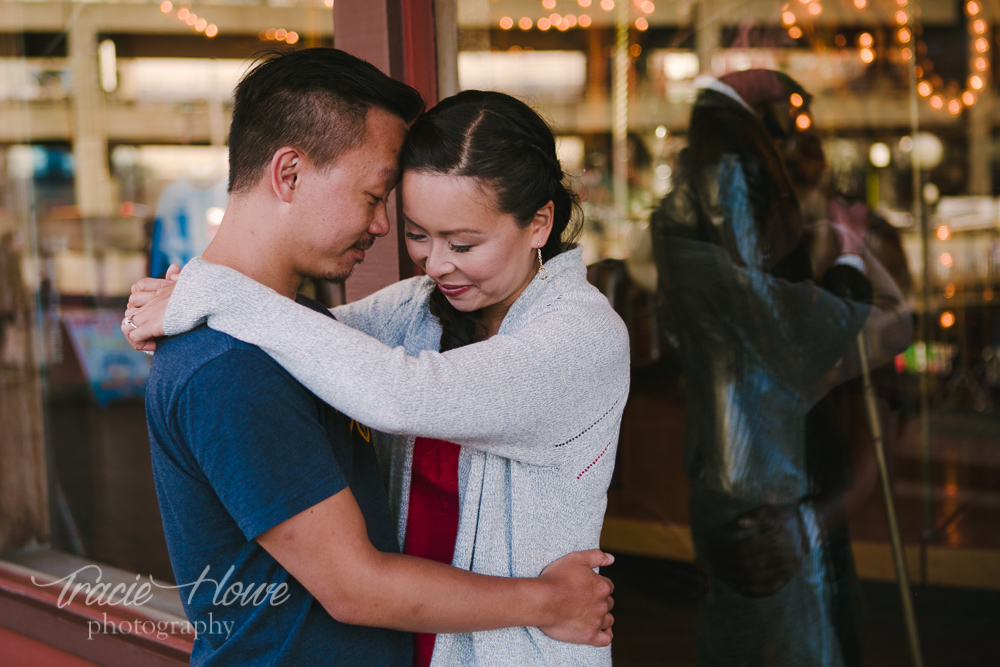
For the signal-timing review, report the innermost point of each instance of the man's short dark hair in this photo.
(313, 99)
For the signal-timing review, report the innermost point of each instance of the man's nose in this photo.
(380, 223)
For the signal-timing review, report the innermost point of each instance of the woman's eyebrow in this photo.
(450, 232)
(410, 222)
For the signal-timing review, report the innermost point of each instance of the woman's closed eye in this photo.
(413, 236)
(460, 248)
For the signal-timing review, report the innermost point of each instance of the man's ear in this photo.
(285, 172)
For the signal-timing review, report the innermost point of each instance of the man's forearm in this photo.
(407, 593)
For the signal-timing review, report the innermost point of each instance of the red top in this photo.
(432, 518)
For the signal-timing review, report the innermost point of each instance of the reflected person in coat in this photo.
(761, 345)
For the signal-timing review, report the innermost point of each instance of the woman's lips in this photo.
(453, 290)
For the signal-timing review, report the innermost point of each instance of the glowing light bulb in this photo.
(585, 21)
(212, 30)
(937, 102)
(166, 6)
(867, 56)
(865, 40)
(803, 122)
(924, 88)
(795, 32)
(641, 24)
(506, 23)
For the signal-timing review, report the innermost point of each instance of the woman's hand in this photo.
(581, 613)
(147, 307)
(850, 224)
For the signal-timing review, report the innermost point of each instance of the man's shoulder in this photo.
(180, 358)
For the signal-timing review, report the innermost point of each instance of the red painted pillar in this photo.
(397, 36)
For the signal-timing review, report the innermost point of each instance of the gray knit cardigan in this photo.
(537, 409)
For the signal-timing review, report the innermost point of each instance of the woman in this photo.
(510, 365)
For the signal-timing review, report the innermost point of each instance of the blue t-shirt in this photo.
(238, 447)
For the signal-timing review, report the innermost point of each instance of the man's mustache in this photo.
(365, 243)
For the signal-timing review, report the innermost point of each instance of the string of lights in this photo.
(564, 22)
(185, 15)
(930, 86)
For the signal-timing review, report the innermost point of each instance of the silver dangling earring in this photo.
(543, 273)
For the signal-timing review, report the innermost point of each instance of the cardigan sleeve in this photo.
(386, 314)
(522, 395)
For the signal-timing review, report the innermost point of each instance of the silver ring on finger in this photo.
(128, 321)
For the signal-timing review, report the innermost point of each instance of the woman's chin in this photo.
(462, 305)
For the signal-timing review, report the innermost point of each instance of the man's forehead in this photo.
(388, 173)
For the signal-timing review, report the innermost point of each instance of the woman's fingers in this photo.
(144, 288)
(140, 345)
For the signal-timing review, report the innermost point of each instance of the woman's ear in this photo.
(285, 171)
(541, 225)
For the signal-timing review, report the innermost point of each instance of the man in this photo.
(274, 511)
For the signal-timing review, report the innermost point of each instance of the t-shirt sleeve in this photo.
(256, 435)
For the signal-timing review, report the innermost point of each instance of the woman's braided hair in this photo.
(502, 143)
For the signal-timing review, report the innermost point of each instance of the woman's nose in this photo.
(438, 264)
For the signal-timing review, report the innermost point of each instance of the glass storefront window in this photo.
(617, 80)
(112, 166)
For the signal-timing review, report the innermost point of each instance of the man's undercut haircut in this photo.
(315, 100)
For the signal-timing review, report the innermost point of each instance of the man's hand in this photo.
(582, 612)
(147, 307)
(762, 550)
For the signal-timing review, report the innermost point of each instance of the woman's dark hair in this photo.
(502, 143)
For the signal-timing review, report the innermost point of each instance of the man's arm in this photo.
(326, 548)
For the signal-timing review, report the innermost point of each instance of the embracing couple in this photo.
(433, 459)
